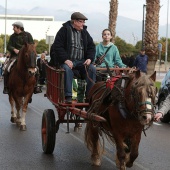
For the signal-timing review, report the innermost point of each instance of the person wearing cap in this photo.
(16, 41)
(141, 61)
(74, 49)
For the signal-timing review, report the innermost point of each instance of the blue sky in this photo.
(129, 8)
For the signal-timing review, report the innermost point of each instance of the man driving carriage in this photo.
(74, 49)
(16, 41)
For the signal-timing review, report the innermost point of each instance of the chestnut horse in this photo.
(125, 132)
(21, 83)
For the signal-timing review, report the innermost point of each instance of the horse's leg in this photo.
(121, 154)
(24, 111)
(134, 149)
(18, 104)
(92, 140)
(13, 114)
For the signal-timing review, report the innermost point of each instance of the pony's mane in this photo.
(145, 82)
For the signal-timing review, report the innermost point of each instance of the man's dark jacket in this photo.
(62, 44)
(18, 40)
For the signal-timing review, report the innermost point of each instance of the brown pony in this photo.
(21, 83)
(125, 132)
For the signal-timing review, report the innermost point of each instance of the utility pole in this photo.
(5, 26)
(166, 49)
(143, 25)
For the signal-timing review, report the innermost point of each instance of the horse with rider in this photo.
(16, 42)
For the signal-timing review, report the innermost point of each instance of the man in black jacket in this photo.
(74, 48)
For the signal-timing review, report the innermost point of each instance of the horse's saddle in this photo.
(9, 64)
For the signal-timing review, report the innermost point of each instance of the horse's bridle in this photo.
(138, 104)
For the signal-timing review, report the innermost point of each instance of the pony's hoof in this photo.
(23, 128)
(129, 164)
(18, 124)
(96, 161)
(13, 119)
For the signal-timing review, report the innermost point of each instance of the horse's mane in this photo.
(144, 82)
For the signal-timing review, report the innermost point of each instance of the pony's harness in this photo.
(107, 87)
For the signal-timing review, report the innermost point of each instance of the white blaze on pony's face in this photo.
(146, 117)
(32, 71)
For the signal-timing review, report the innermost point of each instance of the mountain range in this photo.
(128, 29)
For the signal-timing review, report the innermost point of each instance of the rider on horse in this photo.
(16, 41)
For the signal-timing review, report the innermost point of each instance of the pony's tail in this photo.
(92, 139)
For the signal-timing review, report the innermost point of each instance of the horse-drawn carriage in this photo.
(123, 125)
(123, 107)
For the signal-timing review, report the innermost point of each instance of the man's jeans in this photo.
(68, 76)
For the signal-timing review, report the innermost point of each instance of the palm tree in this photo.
(113, 17)
(151, 32)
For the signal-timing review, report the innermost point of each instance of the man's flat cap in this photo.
(78, 15)
(18, 23)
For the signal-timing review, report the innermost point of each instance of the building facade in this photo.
(39, 26)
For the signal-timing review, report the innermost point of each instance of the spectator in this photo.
(131, 61)
(164, 109)
(125, 59)
(141, 61)
(41, 65)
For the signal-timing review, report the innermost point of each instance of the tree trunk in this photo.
(151, 32)
(113, 17)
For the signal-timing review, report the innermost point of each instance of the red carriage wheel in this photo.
(48, 131)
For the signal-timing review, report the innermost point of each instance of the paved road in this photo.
(23, 150)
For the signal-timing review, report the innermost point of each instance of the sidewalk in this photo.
(159, 78)
(161, 72)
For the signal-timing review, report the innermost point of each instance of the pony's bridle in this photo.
(149, 106)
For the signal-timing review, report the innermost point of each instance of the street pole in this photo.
(166, 50)
(143, 25)
(5, 26)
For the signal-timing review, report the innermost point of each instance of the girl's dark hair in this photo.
(107, 29)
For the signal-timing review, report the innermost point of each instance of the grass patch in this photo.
(158, 84)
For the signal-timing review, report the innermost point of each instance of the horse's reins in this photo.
(88, 74)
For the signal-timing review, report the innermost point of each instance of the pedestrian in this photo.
(41, 65)
(141, 61)
(74, 49)
(125, 59)
(16, 41)
(131, 61)
(164, 109)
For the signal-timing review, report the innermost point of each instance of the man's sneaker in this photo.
(37, 90)
(68, 99)
(5, 91)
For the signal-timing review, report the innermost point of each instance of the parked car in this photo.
(163, 93)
